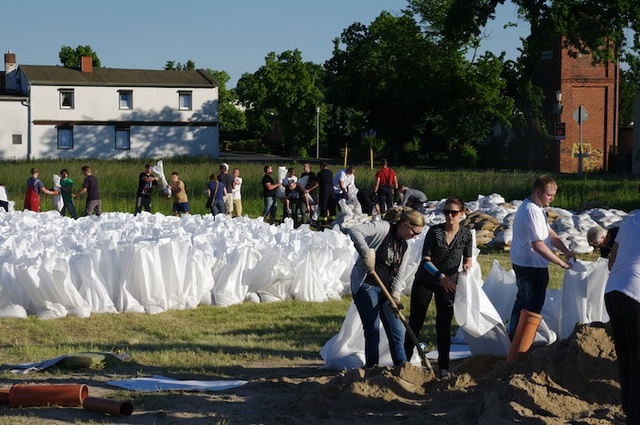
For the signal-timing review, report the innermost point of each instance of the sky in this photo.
(224, 35)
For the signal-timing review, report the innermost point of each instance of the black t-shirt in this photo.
(311, 179)
(91, 184)
(266, 193)
(325, 180)
(606, 250)
(144, 187)
(227, 180)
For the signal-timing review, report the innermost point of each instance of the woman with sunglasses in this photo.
(382, 245)
(445, 246)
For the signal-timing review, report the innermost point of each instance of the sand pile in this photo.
(571, 381)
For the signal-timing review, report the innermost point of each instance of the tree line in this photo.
(413, 87)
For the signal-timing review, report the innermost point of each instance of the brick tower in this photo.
(576, 88)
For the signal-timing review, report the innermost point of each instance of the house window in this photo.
(184, 100)
(66, 99)
(123, 139)
(65, 138)
(126, 99)
(17, 139)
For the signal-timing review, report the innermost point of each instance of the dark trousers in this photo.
(324, 202)
(365, 197)
(421, 294)
(385, 198)
(624, 313)
(143, 202)
(532, 288)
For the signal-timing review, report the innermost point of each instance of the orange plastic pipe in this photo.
(47, 395)
(523, 338)
(4, 396)
(105, 405)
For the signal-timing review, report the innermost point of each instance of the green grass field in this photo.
(118, 183)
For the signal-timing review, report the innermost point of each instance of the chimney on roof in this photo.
(86, 64)
(10, 72)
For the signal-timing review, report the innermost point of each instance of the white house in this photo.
(59, 112)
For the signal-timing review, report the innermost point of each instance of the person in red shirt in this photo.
(385, 186)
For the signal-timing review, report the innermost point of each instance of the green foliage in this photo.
(71, 58)
(629, 89)
(177, 66)
(411, 85)
(230, 117)
(284, 89)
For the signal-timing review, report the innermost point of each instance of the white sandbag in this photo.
(89, 284)
(345, 350)
(12, 311)
(158, 171)
(552, 309)
(282, 173)
(58, 203)
(597, 277)
(583, 296)
(500, 287)
(482, 326)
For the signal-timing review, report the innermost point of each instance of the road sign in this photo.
(559, 131)
(580, 115)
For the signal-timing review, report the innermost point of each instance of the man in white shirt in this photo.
(237, 196)
(531, 251)
(344, 179)
(4, 200)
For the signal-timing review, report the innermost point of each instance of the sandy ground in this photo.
(570, 382)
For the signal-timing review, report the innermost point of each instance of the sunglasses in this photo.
(452, 213)
(413, 232)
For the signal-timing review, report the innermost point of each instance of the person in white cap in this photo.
(227, 179)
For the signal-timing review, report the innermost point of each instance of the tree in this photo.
(230, 117)
(71, 58)
(284, 88)
(173, 66)
(410, 85)
(629, 89)
(588, 27)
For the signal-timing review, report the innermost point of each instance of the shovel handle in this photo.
(412, 335)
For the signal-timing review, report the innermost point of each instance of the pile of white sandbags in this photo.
(54, 266)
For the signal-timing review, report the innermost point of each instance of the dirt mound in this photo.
(571, 381)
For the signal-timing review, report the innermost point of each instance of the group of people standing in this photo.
(447, 251)
(382, 246)
(324, 190)
(35, 187)
(229, 200)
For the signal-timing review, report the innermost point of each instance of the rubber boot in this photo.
(524, 335)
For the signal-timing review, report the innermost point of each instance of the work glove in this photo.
(369, 260)
(396, 299)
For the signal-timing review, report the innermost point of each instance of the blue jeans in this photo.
(532, 288)
(374, 308)
(270, 207)
(218, 208)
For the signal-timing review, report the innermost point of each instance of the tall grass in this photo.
(118, 183)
